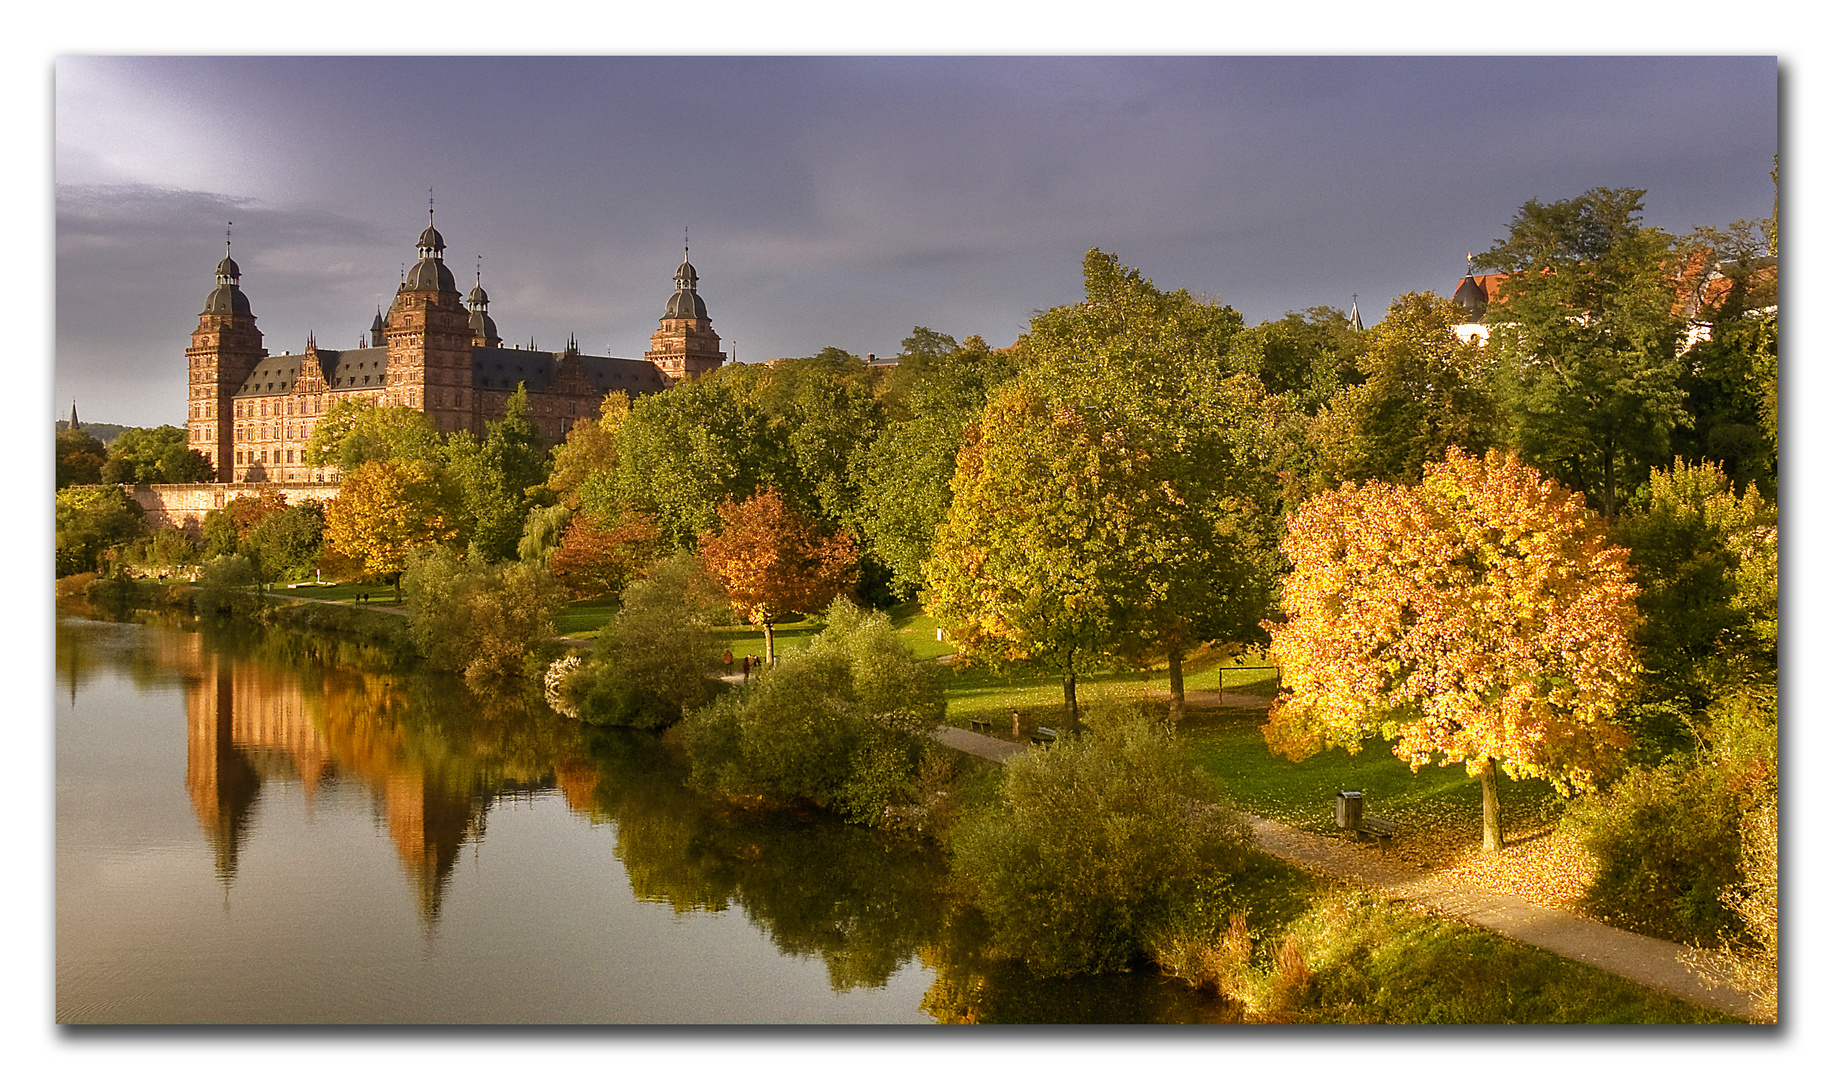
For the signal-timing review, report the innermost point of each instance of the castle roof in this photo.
(502, 369)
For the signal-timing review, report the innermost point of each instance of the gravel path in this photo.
(1645, 960)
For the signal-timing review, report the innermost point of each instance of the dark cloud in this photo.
(840, 200)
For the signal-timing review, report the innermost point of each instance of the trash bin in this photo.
(1349, 809)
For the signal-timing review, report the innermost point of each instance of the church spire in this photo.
(1355, 312)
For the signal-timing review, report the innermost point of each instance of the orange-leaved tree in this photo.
(594, 559)
(775, 561)
(1480, 617)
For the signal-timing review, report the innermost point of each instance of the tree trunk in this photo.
(1492, 807)
(769, 645)
(1177, 685)
(1610, 480)
(1069, 698)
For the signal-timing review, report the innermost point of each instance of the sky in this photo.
(832, 200)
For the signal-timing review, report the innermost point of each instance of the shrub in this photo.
(1095, 846)
(653, 661)
(841, 724)
(481, 620)
(1667, 839)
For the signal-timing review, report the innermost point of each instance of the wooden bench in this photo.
(981, 725)
(1044, 737)
(1377, 829)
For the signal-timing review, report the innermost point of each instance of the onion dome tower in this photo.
(483, 327)
(225, 348)
(429, 337)
(684, 344)
(1470, 294)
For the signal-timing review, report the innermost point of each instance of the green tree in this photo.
(499, 478)
(479, 619)
(654, 661)
(1423, 390)
(80, 457)
(285, 545)
(1731, 375)
(356, 432)
(937, 389)
(1146, 367)
(683, 451)
(590, 450)
(1480, 618)
(91, 520)
(1035, 564)
(1304, 357)
(1587, 340)
(1091, 849)
(1706, 564)
(157, 455)
(841, 724)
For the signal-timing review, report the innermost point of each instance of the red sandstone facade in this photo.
(252, 413)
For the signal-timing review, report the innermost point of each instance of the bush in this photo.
(841, 724)
(481, 620)
(1095, 846)
(1668, 839)
(223, 583)
(654, 660)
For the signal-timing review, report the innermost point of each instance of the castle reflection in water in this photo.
(252, 724)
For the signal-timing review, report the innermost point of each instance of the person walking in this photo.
(747, 675)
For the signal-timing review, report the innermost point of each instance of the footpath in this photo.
(1649, 961)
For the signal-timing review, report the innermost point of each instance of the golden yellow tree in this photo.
(1480, 617)
(386, 509)
(774, 561)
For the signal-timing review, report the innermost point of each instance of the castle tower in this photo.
(429, 339)
(684, 344)
(225, 348)
(483, 327)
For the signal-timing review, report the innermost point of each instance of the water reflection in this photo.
(268, 711)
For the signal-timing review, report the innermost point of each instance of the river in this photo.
(263, 826)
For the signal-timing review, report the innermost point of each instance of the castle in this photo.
(252, 414)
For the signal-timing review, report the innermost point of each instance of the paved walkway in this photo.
(1649, 961)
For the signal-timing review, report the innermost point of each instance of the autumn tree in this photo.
(387, 509)
(775, 561)
(1035, 562)
(594, 559)
(1480, 617)
(1587, 336)
(589, 451)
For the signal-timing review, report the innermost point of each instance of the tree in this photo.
(1034, 564)
(841, 724)
(939, 388)
(353, 433)
(1090, 850)
(1705, 565)
(653, 663)
(590, 450)
(499, 478)
(1588, 337)
(157, 455)
(387, 509)
(1180, 454)
(90, 521)
(1423, 390)
(1481, 617)
(479, 619)
(682, 451)
(80, 457)
(775, 561)
(595, 559)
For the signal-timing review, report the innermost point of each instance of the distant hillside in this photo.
(104, 432)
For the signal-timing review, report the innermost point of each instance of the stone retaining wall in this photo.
(183, 506)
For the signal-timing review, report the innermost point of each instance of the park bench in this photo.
(1044, 737)
(981, 724)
